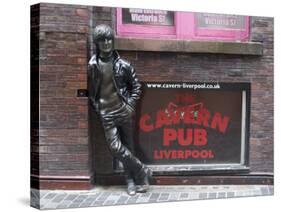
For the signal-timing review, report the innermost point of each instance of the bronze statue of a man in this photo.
(113, 93)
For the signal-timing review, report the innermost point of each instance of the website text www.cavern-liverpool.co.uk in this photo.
(185, 85)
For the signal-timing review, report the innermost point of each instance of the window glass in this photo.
(147, 17)
(218, 21)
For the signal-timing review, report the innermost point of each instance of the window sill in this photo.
(215, 47)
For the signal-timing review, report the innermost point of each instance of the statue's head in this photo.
(103, 36)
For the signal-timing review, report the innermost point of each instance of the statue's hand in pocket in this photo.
(130, 108)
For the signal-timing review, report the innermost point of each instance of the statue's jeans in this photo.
(119, 133)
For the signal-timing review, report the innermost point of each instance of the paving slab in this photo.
(116, 195)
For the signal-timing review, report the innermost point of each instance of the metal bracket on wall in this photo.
(82, 93)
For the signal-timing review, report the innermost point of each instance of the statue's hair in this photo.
(101, 32)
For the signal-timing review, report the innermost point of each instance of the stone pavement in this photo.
(116, 195)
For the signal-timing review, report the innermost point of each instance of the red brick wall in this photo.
(261, 154)
(63, 127)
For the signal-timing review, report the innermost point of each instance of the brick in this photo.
(82, 12)
(51, 140)
(103, 16)
(64, 132)
(77, 172)
(63, 157)
(65, 149)
(102, 9)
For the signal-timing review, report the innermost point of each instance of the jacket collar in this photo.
(94, 59)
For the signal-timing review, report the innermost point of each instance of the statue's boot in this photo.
(143, 180)
(131, 187)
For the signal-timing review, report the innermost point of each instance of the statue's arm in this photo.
(91, 86)
(135, 86)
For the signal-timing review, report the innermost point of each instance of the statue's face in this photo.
(105, 45)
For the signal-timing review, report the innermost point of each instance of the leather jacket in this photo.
(127, 84)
